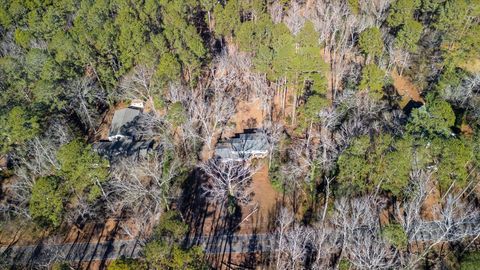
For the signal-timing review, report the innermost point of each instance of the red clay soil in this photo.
(431, 206)
(280, 113)
(92, 232)
(28, 234)
(208, 150)
(406, 89)
(265, 199)
(3, 162)
(466, 129)
(249, 115)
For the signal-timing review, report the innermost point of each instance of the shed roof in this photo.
(122, 117)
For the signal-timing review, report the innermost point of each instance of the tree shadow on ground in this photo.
(194, 206)
(212, 226)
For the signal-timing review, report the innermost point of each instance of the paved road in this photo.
(43, 253)
(233, 243)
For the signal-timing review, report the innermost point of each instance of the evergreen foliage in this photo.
(436, 117)
(336, 123)
(83, 171)
(373, 80)
(165, 250)
(46, 203)
(395, 235)
(371, 42)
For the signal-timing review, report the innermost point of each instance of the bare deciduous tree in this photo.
(210, 116)
(363, 245)
(8, 46)
(325, 245)
(361, 115)
(38, 159)
(272, 131)
(294, 20)
(139, 84)
(276, 11)
(337, 28)
(290, 242)
(228, 180)
(302, 247)
(464, 95)
(85, 98)
(409, 210)
(374, 10)
(141, 186)
(397, 57)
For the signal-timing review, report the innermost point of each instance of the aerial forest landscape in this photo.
(240, 134)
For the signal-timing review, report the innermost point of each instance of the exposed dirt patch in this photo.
(21, 233)
(283, 105)
(94, 265)
(29, 234)
(466, 129)
(265, 199)
(249, 115)
(406, 89)
(431, 206)
(99, 232)
(3, 162)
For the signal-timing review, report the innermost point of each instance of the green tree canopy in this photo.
(460, 34)
(470, 261)
(370, 163)
(371, 42)
(164, 250)
(393, 170)
(402, 11)
(395, 235)
(16, 128)
(168, 68)
(434, 118)
(46, 204)
(453, 159)
(409, 35)
(227, 18)
(308, 113)
(176, 114)
(126, 264)
(82, 169)
(373, 80)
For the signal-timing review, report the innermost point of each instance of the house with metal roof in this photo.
(121, 118)
(243, 146)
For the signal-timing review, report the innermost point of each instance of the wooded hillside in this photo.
(343, 133)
